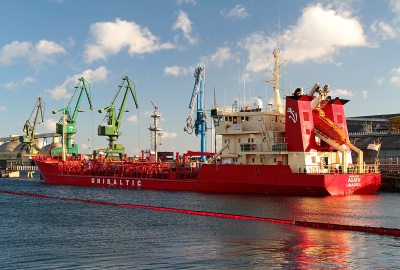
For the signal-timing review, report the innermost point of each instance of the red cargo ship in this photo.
(302, 150)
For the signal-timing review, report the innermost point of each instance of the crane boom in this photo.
(30, 129)
(67, 123)
(197, 97)
(112, 122)
(198, 85)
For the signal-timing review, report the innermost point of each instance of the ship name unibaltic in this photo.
(116, 182)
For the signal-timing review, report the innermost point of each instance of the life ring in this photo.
(253, 147)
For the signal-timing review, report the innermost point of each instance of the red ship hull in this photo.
(261, 179)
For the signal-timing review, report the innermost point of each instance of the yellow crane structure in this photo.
(29, 147)
(394, 124)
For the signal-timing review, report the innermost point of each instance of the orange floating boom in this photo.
(367, 229)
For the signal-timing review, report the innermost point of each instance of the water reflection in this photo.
(323, 249)
(58, 234)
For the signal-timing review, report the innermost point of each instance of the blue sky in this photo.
(46, 45)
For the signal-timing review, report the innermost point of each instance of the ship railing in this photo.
(269, 108)
(24, 168)
(334, 169)
(388, 164)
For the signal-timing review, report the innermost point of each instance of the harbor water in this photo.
(46, 233)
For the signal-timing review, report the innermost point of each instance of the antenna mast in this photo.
(277, 98)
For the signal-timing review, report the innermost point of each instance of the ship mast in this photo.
(277, 98)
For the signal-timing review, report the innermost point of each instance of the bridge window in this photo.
(216, 122)
(245, 147)
(235, 120)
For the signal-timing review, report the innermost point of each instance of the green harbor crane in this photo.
(112, 121)
(28, 140)
(67, 124)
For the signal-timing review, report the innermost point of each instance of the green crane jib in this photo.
(28, 140)
(67, 124)
(112, 122)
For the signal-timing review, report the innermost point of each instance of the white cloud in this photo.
(383, 30)
(221, 56)
(186, 2)
(92, 76)
(70, 42)
(185, 24)
(395, 6)
(109, 38)
(258, 46)
(340, 93)
(320, 32)
(168, 135)
(177, 71)
(19, 83)
(238, 12)
(365, 94)
(84, 146)
(380, 80)
(133, 119)
(50, 124)
(148, 113)
(42, 52)
(395, 79)
(2, 108)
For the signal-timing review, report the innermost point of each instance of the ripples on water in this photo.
(41, 233)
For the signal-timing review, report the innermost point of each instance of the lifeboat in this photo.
(329, 127)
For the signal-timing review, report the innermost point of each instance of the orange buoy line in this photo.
(367, 229)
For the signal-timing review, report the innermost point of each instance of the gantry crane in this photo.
(67, 124)
(112, 122)
(200, 125)
(28, 140)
